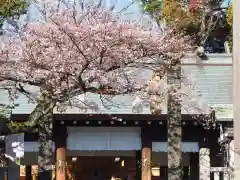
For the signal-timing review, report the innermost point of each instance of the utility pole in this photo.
(236, 86)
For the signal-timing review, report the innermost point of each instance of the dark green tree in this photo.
(10, 10)
(230, 22)
(205, 21)
(5, 112)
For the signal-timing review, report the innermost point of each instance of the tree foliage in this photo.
(230, 15)
(5, 111)
(67, 57)
(230, 22)
(203, 20)
(11, 9)
(175, 13)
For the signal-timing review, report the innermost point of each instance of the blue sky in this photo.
(226, 3)
(133, 11)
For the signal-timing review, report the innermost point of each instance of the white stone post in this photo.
(231, 160)
(204, 164)
(236, 86)
(216, 175)
(226, 175)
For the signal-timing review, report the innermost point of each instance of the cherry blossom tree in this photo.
(71, 52)
(95, 52)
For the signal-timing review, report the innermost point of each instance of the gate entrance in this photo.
(103, 168)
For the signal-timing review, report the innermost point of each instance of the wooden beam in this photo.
(108, 117)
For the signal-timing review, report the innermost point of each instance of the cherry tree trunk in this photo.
(4, 118)
(45, 128)
(174, 125)
(41, 117)
(3, 159)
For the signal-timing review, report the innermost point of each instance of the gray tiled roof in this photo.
(213, 79)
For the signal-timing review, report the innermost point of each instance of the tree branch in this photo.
(15, 79)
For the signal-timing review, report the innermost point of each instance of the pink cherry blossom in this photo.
(92, 51)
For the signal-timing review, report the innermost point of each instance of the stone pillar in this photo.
(146, 154)
(194, 166)
(236, 86)
(28, 172)
(216, 175)
(204, 164)
(61, 150)
(226, 175)
(231, 159)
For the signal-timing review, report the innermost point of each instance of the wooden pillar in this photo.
(61, 150)
(35, 172)
(28, 172)
(61, 163)
(146, 163)
(194, 166)
(146, 154)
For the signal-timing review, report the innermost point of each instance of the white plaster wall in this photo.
(104, 138)
(186, 147)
